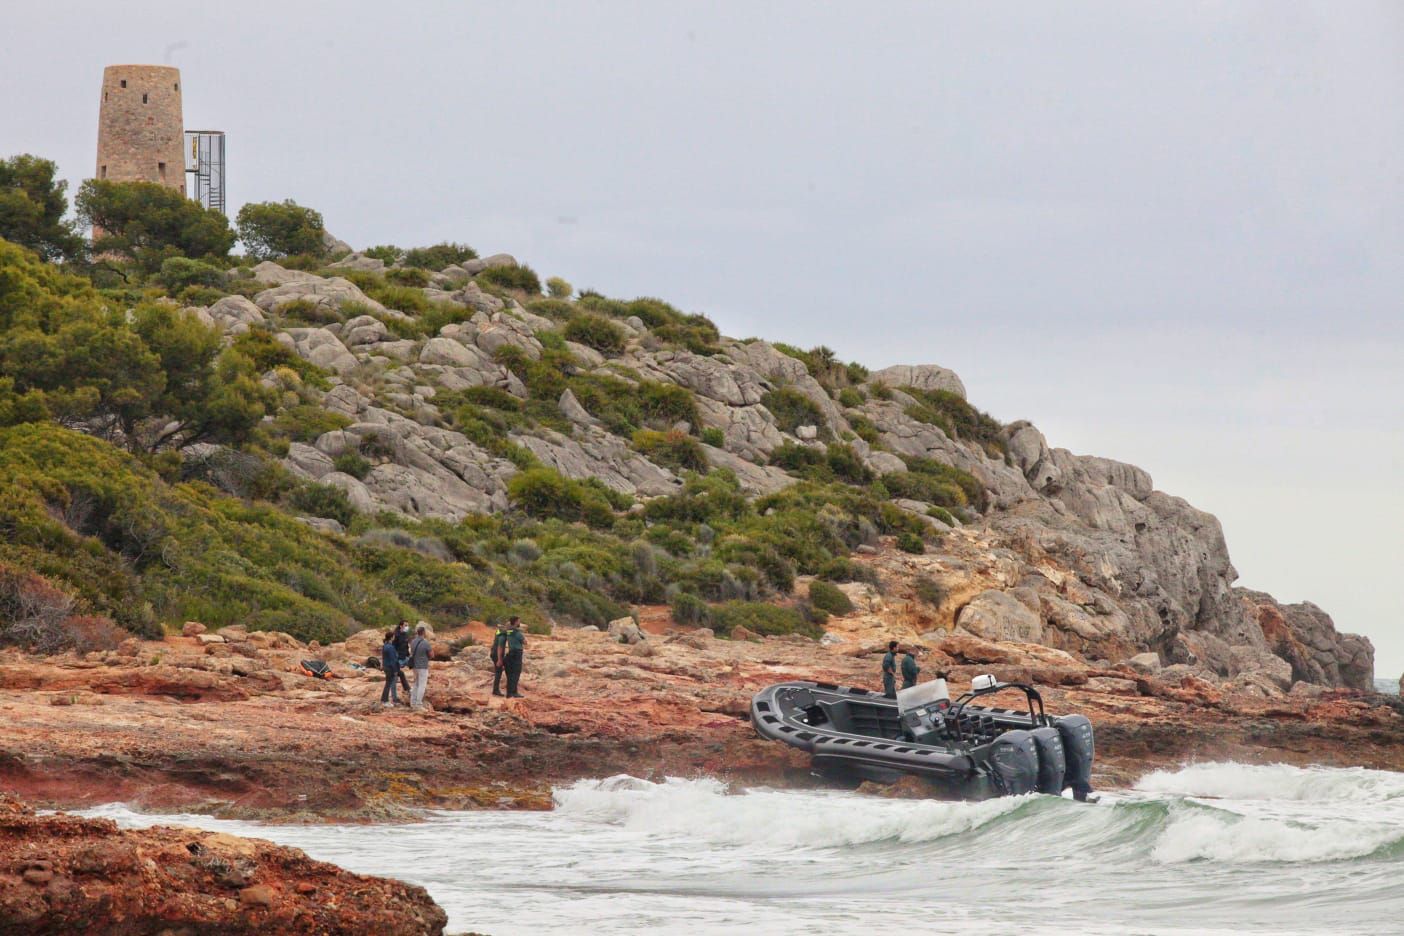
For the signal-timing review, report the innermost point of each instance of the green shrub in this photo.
(829, 598)
(760, 618)
(911, 542)
(688, 609)
(554, 308)
(495, 397)
(350, 462)
(306, 422)
(857, 373)
(178, 274)
(851, 397)
(270, 230)
(559, 288)
(944, 515)
(796, 458)
(844, 569)
(407, 276)
(846, 465)
(512, 277)
(793, 409)
(539, 628)
(672, 448)
(882, 391)
(596, 332)
(386, 253)
(438, 256)
(322, 500)
(864, 428)
(546, 493)
(951, 413)
(714, 437)
(408, 299)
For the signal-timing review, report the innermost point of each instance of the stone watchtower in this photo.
(141, 131)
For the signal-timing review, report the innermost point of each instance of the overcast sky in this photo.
(1171, 234)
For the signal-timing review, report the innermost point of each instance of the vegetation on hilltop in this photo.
(112, 523)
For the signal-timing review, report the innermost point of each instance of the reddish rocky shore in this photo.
(227, 724)
(65, 875)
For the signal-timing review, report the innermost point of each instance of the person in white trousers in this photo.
(419, 662)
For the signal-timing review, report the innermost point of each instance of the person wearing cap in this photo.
(402, 642)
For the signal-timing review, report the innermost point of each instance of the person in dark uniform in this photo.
(401, 643)
(499, 654)
(889, 671)
(512, 661)
(390, 662)
(909, 668)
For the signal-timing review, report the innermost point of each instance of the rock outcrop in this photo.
(62, 874)
(1094, 560)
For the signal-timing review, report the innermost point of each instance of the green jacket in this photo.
(516, 640)
(499, 645)
(889, 665)
(909, 669)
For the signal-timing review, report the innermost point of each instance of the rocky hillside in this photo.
(463, 445)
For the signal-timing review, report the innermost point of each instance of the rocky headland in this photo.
(683, 518)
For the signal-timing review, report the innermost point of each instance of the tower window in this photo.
(124, 82)
(104, 95)
(102, 173)
(143, 99)
(161, 170)
(177, 85)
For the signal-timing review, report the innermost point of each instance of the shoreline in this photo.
(185, 725)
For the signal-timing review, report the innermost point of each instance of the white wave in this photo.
(703, 810)
(1276, 782)
(1193, 834)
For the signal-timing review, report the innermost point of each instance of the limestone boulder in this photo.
(477, 265)
(921, 376)
(999, 616)
(235, 314)
(1255, 660)
(275, 275)
(322, 348)
(594, 453)
(627, 631)
(358, 261)
(330, 294)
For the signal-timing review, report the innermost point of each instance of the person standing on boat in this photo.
(889, 671)
(512, 661)
(909, 668)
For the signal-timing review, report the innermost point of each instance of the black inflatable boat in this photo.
(975, 751)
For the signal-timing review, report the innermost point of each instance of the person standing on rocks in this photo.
(402, 641)
(419, 660)
(512, 661)
(889, 671)
(499, 655)
(909, 668)
(390, 662)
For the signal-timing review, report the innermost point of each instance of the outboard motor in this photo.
(1076, 732)
(1051, 762)
(1014, 763)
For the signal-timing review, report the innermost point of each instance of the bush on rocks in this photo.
(512, 277)
(761, 618)
(596, 332)
(829, 598)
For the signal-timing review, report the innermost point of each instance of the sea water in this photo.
(1210, 848)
